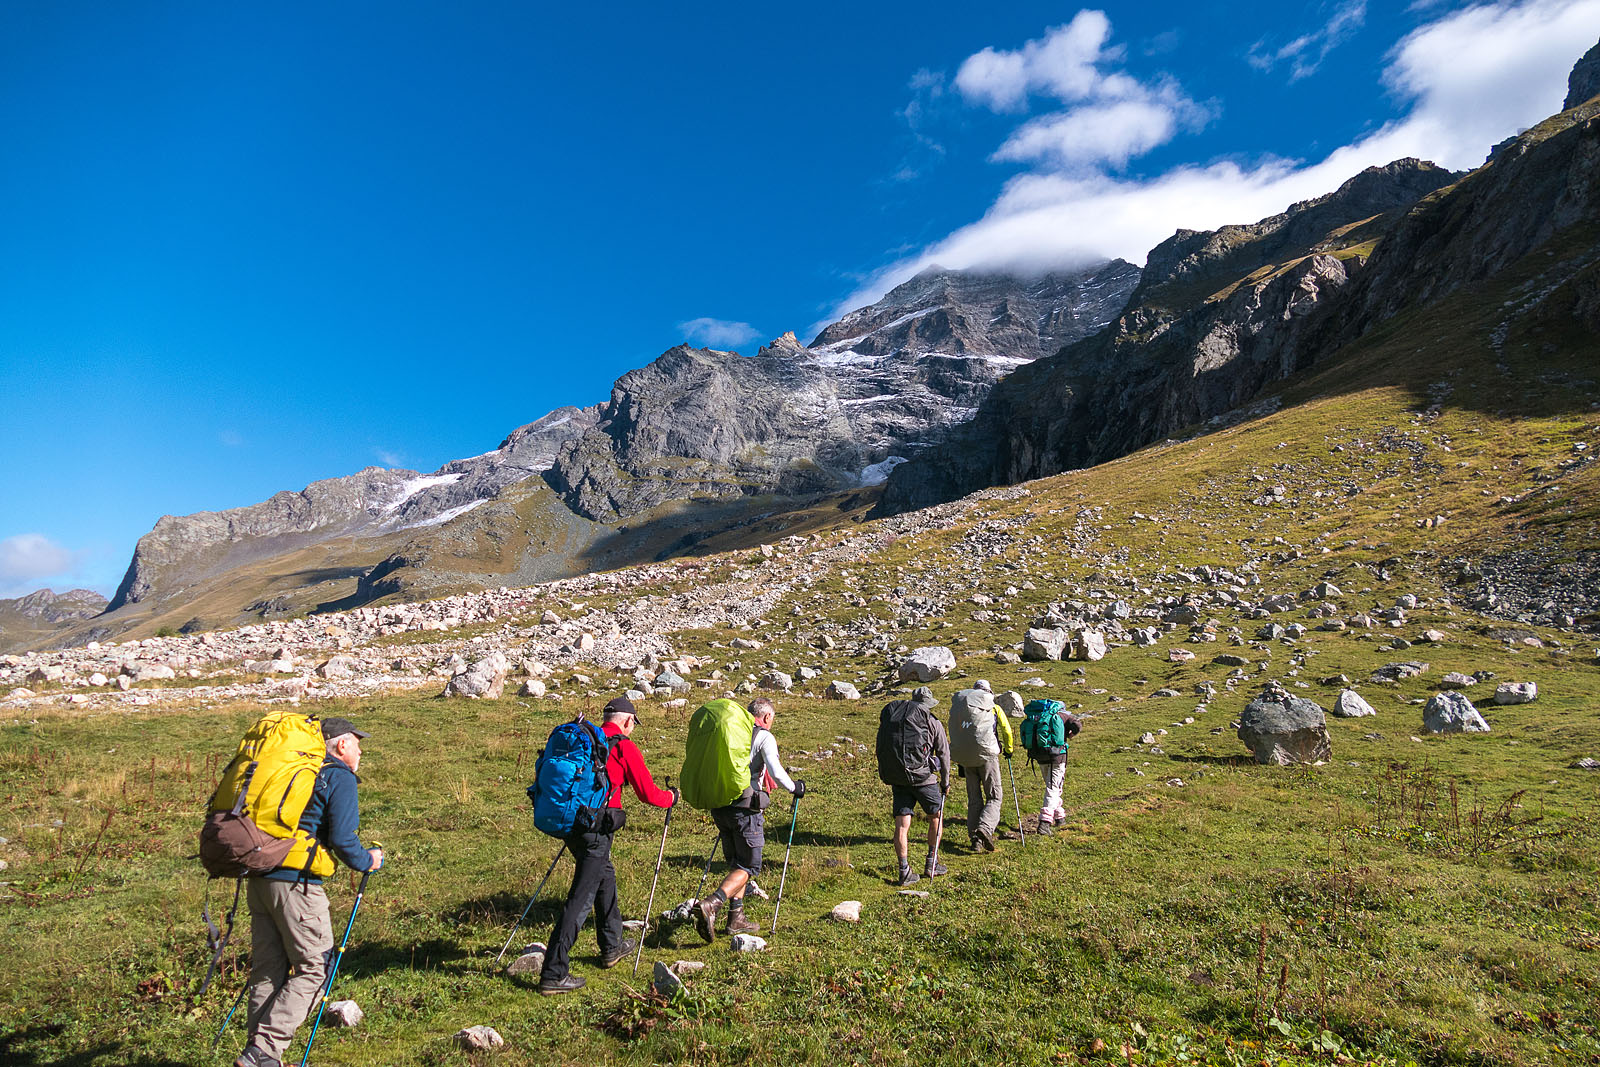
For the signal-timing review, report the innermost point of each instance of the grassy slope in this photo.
(1425, 900)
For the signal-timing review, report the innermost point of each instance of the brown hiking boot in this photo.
(705, 917)
(737, 923)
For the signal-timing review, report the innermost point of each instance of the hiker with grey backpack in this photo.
(914, 761)
(577, 797)
(979, 736)
(1047, 728)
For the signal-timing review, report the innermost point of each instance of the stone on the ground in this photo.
(1086, 645)
(530, 962)
(1516, 693)
(1586, 764)
(1351, 705)
(920, 894)
(777, 680)
(1395, 672)
(485, 679)
(927, 664)
(838, 690)
(1179, 655)
(684, 968)
(1452, 713)
(1039, 645)
(1282, 729)
(479, 1037)
(533, 687)
(339, 667)
(1011, 703)
(1433, 636)
(1230, 659)
(848, 911)
(344, 1013)
(747, 943)
(1457, 680)
(665, 981)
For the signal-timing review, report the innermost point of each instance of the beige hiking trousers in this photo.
(289, 931)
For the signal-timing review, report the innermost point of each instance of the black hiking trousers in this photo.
(594, 884)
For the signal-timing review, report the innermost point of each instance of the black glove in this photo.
(799, 788)
(676, 796)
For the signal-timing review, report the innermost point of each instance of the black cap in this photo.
(336, 727)
(621, 706)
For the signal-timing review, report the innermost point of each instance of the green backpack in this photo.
(716, 757)
(1044, 730)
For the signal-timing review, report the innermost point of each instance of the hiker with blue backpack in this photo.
(741, 823)
(577, 796)
(1047, 727)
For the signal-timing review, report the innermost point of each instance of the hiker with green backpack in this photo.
(290, 763)
(1047, 727)
(730, 767)
(914, 760)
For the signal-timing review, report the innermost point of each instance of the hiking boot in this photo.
(737, 923)
(907, 875)
(255, 1057)
(982, 840)
(609, 960)
(934, 869)
(1045, 829)
(705, 917)
(552, 987)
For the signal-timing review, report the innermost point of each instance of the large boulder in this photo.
(485, 679)
(1452, 713)
(776, 680)
(1284, 729)
(838, 690)
(1516, 693)
(1044, 644)
(927, 664)
(1011, 703)
(1086, 645)
(339, 667)
(1350, 705)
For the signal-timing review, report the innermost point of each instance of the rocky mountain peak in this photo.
(1583, 84)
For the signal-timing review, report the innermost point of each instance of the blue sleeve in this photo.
(343, 819)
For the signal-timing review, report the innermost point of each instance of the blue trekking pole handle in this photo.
(333, 971)
(794, 811)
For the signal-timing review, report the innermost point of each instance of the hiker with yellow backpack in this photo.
(285, 808)
(729, 769)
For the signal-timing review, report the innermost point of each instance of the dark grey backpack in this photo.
(905, 744)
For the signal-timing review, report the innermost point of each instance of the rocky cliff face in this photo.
(1217, 316)
(32, 620)
(1583, 84)
(871, 390)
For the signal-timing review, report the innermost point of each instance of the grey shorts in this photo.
(907, 797)
(743, 833)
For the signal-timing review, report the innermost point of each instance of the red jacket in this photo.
(626, 764)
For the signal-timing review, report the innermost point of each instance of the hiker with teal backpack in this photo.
(1047, 727)
(741, 823)
(577, 797)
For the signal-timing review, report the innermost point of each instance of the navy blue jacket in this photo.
(331, 816)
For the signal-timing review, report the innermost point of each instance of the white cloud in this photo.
(1306, 52)
(718, 333)
(1109, 133)
(1466, 81)
(1062, 64)
(389, 457)
(26, 560)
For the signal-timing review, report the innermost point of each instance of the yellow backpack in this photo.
(253, 820)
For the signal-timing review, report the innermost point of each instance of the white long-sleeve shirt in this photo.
(764, 756)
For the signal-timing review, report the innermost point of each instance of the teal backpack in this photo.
(1044, 730)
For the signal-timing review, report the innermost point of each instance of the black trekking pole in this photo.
(794, 811)
(529, 908)
(229, 1017)
(1016, 800)
(715, 841)
(639, 955)
(333, 971)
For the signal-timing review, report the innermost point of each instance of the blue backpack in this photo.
(570, 780)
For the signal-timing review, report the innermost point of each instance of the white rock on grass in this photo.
(1011, 703)
(665, 980)
(838, 690)
(1452, 713)
(344, 1013)
(479, 1037)
(927, 664)
(848, 911)
(1516, 693)
(747, 943)
(1351, 705)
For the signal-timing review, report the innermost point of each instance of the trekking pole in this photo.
(333, 971)
(794, 811)
(1016, 800)
(639, 955)
(715, 841)
(524, 915)
(229, 1017)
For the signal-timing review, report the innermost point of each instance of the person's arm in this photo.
(636, 774)
(767, 748)
(1002, 730)
(342, 819)
(942, 740)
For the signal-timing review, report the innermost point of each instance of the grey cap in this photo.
(923, 695)
(982, 683)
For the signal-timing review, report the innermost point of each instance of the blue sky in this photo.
(245, 249)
